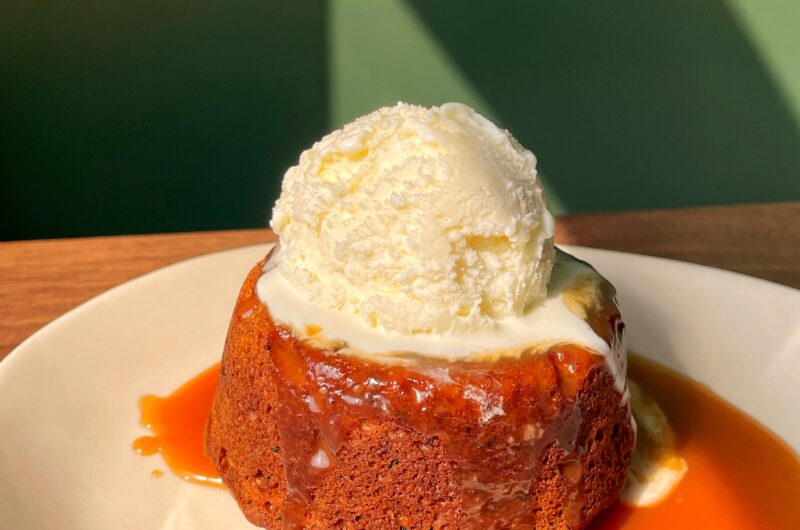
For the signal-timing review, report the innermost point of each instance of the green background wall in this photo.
(126, 117)
(143, 116)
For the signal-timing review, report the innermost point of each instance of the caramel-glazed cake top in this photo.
(576, 293)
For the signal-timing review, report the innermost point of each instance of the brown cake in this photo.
(305, 437)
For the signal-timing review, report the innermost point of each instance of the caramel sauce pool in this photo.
(741, 477)
(178, 424)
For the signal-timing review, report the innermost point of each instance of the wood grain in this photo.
(40, 280)
(760, 240)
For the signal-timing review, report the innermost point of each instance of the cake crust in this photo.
(543, 441)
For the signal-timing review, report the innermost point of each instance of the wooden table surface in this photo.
(40, 280)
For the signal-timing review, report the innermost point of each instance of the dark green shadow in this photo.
(628, 104)
(127, 117)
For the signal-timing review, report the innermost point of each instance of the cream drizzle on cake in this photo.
(557, 319)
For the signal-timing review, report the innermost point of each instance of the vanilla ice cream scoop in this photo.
(418, 220)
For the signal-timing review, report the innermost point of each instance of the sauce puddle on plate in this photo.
(178, 424)
(741, 476)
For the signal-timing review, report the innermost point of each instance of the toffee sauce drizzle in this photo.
(484, 415)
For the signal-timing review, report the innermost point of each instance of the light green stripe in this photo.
(380, 53)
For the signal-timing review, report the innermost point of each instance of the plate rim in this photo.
(46, 328)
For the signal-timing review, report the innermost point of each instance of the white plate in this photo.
(68, 395)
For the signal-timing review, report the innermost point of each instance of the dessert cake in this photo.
(415, 353)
